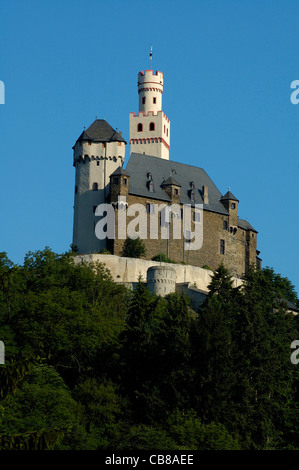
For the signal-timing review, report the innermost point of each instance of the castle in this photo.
(150, 179)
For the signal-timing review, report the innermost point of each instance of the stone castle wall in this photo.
(129, 270)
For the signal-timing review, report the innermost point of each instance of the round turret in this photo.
(161, 280)
(150, 89)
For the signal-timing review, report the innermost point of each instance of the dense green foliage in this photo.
(134, 248)
(92, 365)
(163, 258)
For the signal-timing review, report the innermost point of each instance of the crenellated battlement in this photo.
(150, 113)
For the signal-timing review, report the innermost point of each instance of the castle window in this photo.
(76, 189)
(152, 126)
(233, 205)
(222, 247)
(154, 100)
(165, 217)
(192, 195)
(167, 131)
(196, 216)
(176, 191)
(182, 214)
(116, 180)
(188, 236)
(150, 208)
(151, 187)
(125, 181)
(98, 163)
(139, 127)
(225, 225)
(89, 142)
(95, 186)
(143, 100)
(119, 144)
(103, 145)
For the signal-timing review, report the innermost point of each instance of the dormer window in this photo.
(152, 126)
(139, 127)
(192, 195)
(150, 177)
(151, 187)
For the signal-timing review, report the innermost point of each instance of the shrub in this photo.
(134, 248)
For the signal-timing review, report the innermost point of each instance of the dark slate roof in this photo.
(170, 181)
(119, 171)
(139, 165)
(288, 304)
(101, 131)
(245, 225)
(229, 196)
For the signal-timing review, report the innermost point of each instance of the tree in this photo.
(140, 352)
(189, 432)
(214, 349)
(134, 248)
(264, 390)
(36, 414)
(103, 412)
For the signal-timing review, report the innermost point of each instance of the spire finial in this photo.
(150, 57)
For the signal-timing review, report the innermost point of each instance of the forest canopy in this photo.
(91, 365)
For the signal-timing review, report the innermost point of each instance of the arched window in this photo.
(94, 186)
(139, 127)
(152, 126)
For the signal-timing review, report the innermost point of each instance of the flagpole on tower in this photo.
(150, 56)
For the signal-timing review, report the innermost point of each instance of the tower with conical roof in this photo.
(150, 128)
(98, 152)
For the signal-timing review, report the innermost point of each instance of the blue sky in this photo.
(228, 66)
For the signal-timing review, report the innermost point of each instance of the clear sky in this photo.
(228, 66)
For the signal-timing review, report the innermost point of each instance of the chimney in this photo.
(205, 194)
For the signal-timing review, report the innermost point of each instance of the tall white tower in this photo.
(150, 129)
(98, 152)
